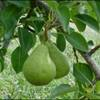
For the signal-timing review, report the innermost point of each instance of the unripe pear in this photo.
(60, 61)
(39, 69)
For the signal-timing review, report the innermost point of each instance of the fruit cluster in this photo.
(45, 64)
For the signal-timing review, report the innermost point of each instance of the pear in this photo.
(39, 69)
(62, 66)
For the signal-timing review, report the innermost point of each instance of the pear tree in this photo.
(42, 28)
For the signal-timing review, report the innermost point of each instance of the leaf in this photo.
(62, 13)
(8, 18)
(1, 64)
(52, 4)
(37, 24)
(77, 41)
(90, 44)
(63, 16)
(61, 42)
(27, 40)
(61, 90)
(82, 73)
(92, 96)
(96, 7)
(88, 20)
(97, 87)
(21, 3)
(18, 58)
(2, 53)
(80, 25)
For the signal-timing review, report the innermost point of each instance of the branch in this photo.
(92, 64)
(94, 50)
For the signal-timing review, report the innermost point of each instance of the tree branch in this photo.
(92, 64)
(94, 50)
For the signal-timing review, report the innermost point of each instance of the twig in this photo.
(94, 50)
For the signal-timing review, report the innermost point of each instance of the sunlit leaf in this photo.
(77, 41)
(63, 16)
(88, 20)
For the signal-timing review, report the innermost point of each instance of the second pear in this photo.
(60, 61)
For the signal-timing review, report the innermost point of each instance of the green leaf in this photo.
(35, 22)
(79, 24)
(27, 39)
(62, 13)
(8, 18)
(97, 87)
(52, 4)
(61, 42)
(1, 64)
(38, 25)
(88, 20)
(61, 90)
(18, 58)
(63, 16)
(2, 53)
(92, 96)
(20, 3)
(83, 73)
(96, 7)
(77, 41)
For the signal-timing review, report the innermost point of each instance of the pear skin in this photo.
(39, 69)
(60, 61)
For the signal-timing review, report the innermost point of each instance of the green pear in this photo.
(62, 66)
(39, 69)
